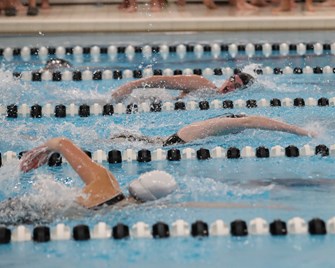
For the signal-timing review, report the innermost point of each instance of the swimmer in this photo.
(101, 185)
(185, 83)
(55, 64)
(218, 126)
(102, 188)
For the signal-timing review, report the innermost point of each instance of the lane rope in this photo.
(174, 154)
(165, 50)
(85, 110)
(108, 74)
(159, 230)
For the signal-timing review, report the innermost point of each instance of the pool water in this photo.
(271, 188)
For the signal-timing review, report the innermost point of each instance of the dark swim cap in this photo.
(247, 79)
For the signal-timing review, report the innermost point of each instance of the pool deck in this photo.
(193, 17)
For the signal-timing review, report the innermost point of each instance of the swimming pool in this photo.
(275, 187)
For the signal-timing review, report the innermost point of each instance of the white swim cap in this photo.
(152, 185)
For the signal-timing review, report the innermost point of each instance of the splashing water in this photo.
(9, 178)
(11, 89)
(282, 83)
(18, 92)
(46, 201)
(320, 129)
(122, 137)
(149, 94)
(73, 95)
(249, 69)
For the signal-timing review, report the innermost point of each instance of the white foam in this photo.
(320, 129)
(249, 69)
(117, 135)
(17, 91)
(140, 95)
(10, 178)
(46, 200)
(12, 90)
(77, 95)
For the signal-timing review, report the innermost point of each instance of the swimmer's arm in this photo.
(266, 123)
(186, 83)
(87, 169)
(224, 125)
(101, 185)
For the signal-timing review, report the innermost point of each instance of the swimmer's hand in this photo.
(313, 134)
(34, 158)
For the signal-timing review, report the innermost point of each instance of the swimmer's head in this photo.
(54, 64)
(246, 78)
(152, 186)
(238, 80)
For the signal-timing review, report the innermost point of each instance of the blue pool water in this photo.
(270, 188)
